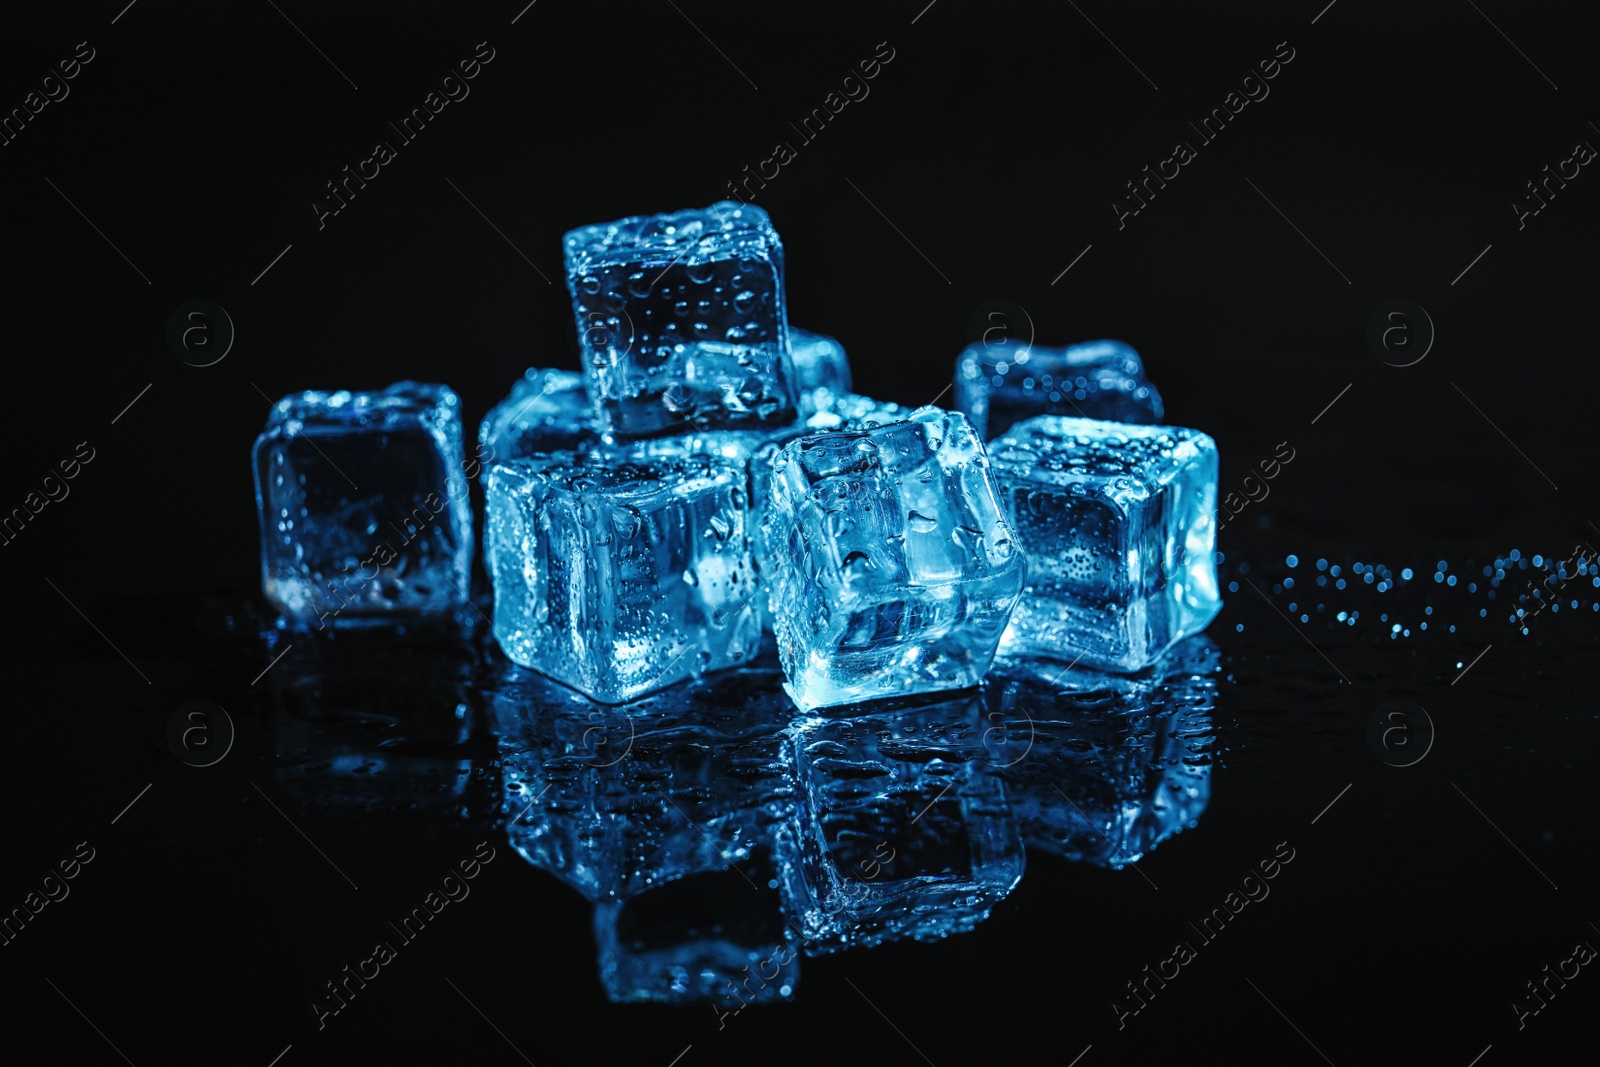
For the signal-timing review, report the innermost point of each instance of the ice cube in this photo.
(711, 936)
(1118, 523)
(616, 799)
(819, 362)
(1102, 768)
(617, 578)
(903, 831)
(363, 505)
(889, 565)
(998, 385)
(547, 411)
(681, 320)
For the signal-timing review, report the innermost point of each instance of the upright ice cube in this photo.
(363, 505)
(888, 563)
(1102, 768)
(547, 411)
(1000, 385)
(619, 577)
(903, 831)
(819, 362)
(681, 320)
(1118, 525)
(717, 936)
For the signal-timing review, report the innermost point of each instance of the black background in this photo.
(984, 160)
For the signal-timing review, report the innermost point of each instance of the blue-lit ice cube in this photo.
(710, 936)
(363, 505)
(889, 566)
(547, 411)
(902, 829)
(998, 385)
(681, 320)
(617, 577)
(819, 362)
(617, 799)
(1118, 523)
(1102, 768)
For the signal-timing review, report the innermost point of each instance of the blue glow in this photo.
(1118, 525)
(399, 545)
(890, 567)
(620, 577)
(1001, 382)
(681, 320)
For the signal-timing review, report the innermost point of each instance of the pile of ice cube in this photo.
(710, 477)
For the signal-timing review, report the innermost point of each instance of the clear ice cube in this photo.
(711, 936)
(1118, 524)
(902, 830)
(1101, 768)
(363, 505)
(999, 385)
(681, 320)
(617, 578)
(617, 799)
(889, 566)
(547, 411)
(819, 362)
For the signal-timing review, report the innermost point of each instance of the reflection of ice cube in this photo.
(547, 411)
(716, 936)
(615, 799)
(889, 567)
(369, 727)
(1102, 768)
(902, 829)
(621, 577)
(363, 505)
(681, 320)
(998, 386)
(1118, 523)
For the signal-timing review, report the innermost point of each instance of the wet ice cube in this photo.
(819, 362)
(998, 385)
(903, 830)
(711, 936)
(681, 320)
(617, 578)
(617, 799)
(1101, 768)
(889, 566)
(363, 505)
(1118, 523)
(547, 411)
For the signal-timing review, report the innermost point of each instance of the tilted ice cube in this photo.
(903, 831)
(621, 577)
(998, 385)
(1118, 523)
(547, 411)
(889, 566)
(710, 936)
(1102, 768)
(819, 362)
(617, 799)
(363, 505)
(681, 320)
